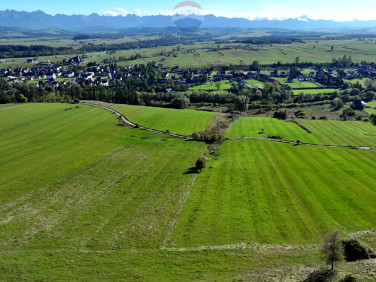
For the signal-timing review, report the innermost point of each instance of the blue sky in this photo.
(318, 9)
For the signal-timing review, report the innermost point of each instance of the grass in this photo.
(353, 81)
(224, 85)
(372, 109)
(85, 182)
(297, 83)
(207, 54)
(349, 133)
(252, 127)
(270, 192)
(84, 199)
(176, 121)
(315, 91)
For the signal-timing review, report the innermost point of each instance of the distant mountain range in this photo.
(39, 20)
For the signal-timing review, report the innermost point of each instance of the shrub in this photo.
(180, 103)
(348, 112)
(301, 114)
(332, 249)
(21, 98)
(200, 164)
(280, 114)
(348, 278)
(196, 136)
(241, 103)
(354, 250)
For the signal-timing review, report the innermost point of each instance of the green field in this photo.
(330, 132)
(297, 83)
(349, 133)
(176, 121)
(252, 127)
(315, 91)
(208, 54)
(276, 193)
(84, 199)
(224, 85)
(372, 109)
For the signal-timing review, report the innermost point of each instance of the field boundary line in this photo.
(241, 246)
(302, 143)
(181, 204)
(130, 123)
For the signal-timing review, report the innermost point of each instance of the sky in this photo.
(340, 10)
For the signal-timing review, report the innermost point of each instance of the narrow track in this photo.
(130, 123)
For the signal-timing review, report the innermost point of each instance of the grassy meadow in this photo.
(348, 133)
(207, 54)
(315, 91)
(183, 122)
(84, 199)
(253, 127)
(275, 193)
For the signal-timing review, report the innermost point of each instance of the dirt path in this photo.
(303, 144)
(130, 123)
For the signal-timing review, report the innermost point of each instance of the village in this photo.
(159, 78)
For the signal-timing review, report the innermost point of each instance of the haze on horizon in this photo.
(271, 9)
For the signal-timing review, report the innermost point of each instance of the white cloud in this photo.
(110, 14)
(121, 11)
(137, 11)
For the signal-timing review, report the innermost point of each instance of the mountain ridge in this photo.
(38, 20)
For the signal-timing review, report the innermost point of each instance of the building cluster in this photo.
(106, 74)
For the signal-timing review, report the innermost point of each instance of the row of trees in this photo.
(132, 93)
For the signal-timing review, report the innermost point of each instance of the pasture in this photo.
(210, 86)
(82, 198)
(297, 83)
(315, 91)
(253, 127)
(74, 180)
(348, 133)
(183, 122)
(275, 193)
(207, 54)
(372, 109)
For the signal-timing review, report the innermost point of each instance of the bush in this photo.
(200, 164)
(301, 114)
(373, 119)
(348, 278)
(210, 138)
(21, 98)
(281, 114)
(196, 136)
(354, 250)
(241, 103)
(180, 103)
(348, 112)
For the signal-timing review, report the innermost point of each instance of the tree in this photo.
(241, 103)
(332, 248)
(255, 66)
(180, 103)
(21, 98)
(297, 60)
(218, 85)
(200, 164)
